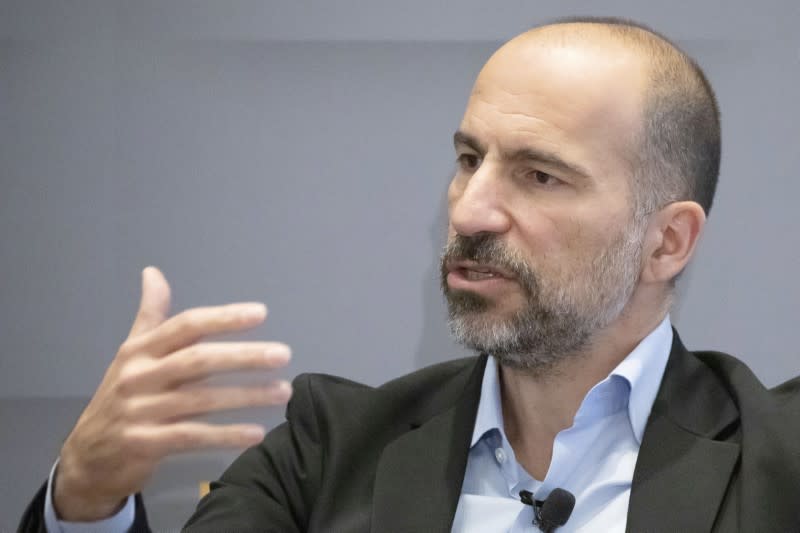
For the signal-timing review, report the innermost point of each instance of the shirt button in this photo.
(500, 455)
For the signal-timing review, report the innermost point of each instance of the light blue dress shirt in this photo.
(593, 459)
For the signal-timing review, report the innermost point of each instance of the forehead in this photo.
(583, 100)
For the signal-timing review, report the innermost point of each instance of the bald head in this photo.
(586, 157)
(674, 147)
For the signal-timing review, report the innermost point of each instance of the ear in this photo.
(672, 235)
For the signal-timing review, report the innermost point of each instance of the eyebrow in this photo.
(550, 159)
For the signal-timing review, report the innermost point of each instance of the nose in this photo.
(477, 203)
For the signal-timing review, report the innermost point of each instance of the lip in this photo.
(461, 266)
(457, 277)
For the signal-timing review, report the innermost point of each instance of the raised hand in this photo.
(140, 412)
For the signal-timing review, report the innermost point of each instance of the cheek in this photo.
(587, 230)
(541, 238)
(562, 248)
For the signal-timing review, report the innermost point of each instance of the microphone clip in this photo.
(551, 513)
(526, 497)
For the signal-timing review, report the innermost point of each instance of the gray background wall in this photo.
(298, 153)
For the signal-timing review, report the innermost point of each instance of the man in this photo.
(587, 161)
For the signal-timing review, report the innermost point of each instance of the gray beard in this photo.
(560, 317)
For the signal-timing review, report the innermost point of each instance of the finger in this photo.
(191, 325)
(200, 361)
(163, 440)
(179, 404)
(154, 304)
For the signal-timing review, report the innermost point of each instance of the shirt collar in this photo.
(490, 406)
(641, 370)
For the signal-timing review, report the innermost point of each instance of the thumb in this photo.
(154, 306)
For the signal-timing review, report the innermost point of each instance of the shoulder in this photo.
(739, 378)
(429, 388)
(762, 410)
(429, 374)
(732, 373)
(349, 423)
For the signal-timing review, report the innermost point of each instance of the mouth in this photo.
(473, 271)
(477, 277)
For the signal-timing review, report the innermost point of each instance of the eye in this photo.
(468, 162)
(543, 178)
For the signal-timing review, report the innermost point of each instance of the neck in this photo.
(536, 407)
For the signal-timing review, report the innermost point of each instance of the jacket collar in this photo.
(685, 462)
(419, 475)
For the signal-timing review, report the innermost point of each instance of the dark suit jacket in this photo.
(720, 453)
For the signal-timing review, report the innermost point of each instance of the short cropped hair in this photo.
(677, 152)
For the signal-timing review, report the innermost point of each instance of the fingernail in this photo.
(281, 350)
(254, 433)
(285, 387)
(254, 311)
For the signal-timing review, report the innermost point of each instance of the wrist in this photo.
(74, 501)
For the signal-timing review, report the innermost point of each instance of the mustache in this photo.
(489, 250)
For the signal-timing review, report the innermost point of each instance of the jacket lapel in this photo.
(684, 463)
(419, 475)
